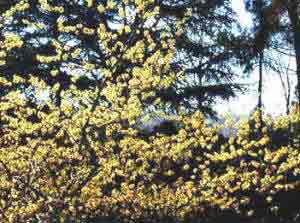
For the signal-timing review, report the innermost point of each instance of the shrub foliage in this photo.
(83, 158)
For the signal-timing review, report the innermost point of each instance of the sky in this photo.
(273, 97)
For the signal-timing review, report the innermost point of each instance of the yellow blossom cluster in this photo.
(78, 28)
(50, 8)
(53, 58)
(19, 7)
(11, 41)
(170, 175)
(85, 157)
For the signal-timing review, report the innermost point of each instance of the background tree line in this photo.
(212, 45)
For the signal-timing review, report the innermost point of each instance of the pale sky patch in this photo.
(273, 97)
(243, 16)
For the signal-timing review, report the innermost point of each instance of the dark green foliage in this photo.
(208, 49)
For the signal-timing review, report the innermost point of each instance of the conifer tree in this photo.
(209, 49)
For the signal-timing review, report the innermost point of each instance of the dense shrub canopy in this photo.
(72, 152)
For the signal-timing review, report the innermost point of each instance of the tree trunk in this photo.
(288, 94)
(295, 22)
(260, 82)
(297, 51)
(260, 90)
